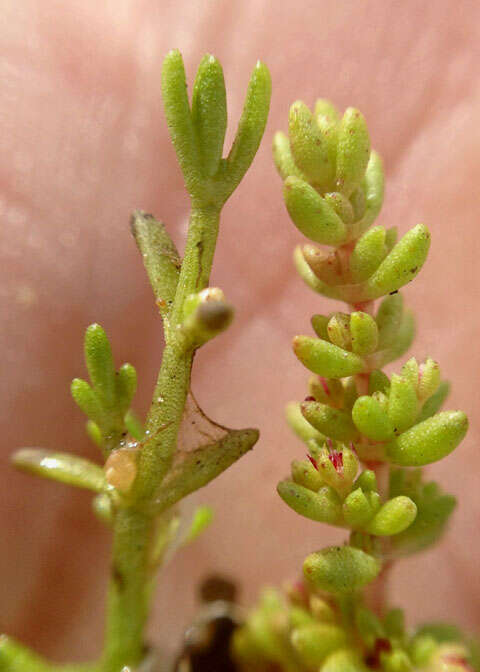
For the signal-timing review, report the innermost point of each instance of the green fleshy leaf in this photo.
(394, 517)
(134, 426)
(125, 387)
(359, 204)
(340, 569)
(326, 359)
(364, 333)
(378, 382)
(389, 319)
(357, 510)
(329, 421)
(373, 187)
(323, 506)
(343, 660)
(401, 265)
(160, 257)
(353, 151)
(430, 440)
(314, 642)
(372, 420)
(402, 403)
(320, 324)
(282, 156)
(429, 379)
(62, 467)
(304, 473)
(209, 113)
(367, 481)
(87, 401)
(250, 128)
(99, 361)
(311, 213)
(94, 433)
(313, 150)
(342, 206)
(179, 120)
(403, 339)
(434, 510)
(302, 428)
(326, 108)
(435, 402)
(368, 254)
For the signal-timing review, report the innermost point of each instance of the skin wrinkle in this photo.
(81, 102)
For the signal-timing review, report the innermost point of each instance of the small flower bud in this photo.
(304, 473)
(325, 265)
(338, 469)
(206, 314)
(338, 330)
(340, 569)
(326, 359)
(328, 391)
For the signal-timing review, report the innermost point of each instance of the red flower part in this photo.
(336, 459)
(323, 383)
(313, 461)
(309, 398)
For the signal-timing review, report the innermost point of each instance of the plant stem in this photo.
(132, 569)
(173, 381)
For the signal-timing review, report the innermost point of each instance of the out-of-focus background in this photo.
(84, 141)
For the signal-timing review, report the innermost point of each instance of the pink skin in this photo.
(84, 142)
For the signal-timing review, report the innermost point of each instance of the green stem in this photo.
(132, 570)
(173, 383)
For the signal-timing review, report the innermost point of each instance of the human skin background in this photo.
(83, 142)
